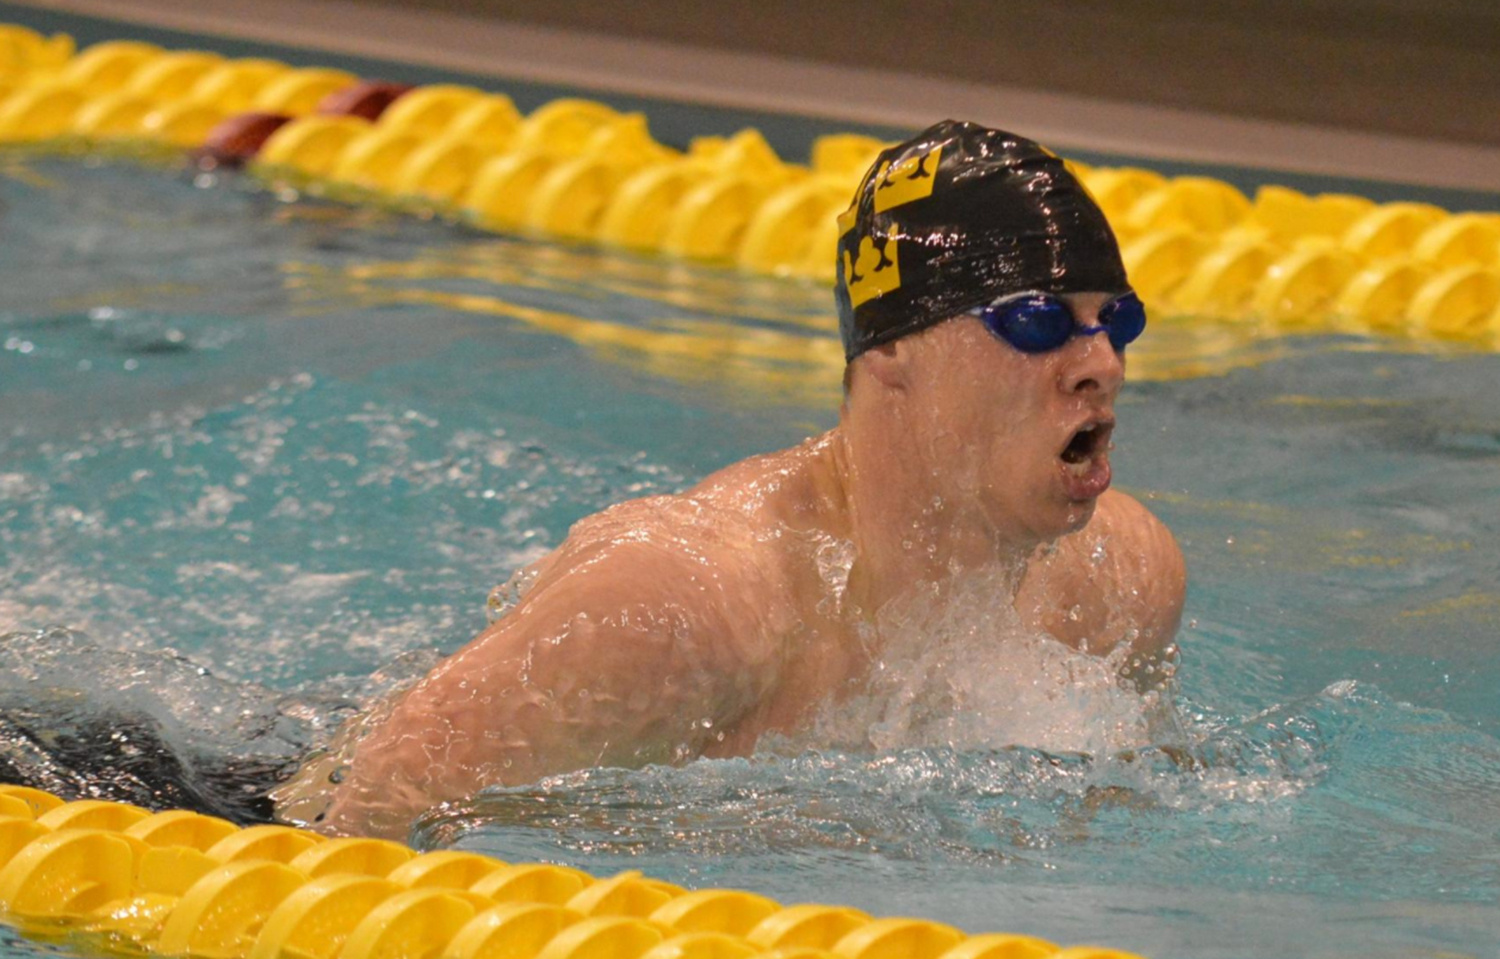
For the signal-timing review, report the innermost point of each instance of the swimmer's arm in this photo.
(616, 657)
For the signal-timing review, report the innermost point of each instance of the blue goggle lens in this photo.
(1040, 322)
(1123, 319)
(1033, 323)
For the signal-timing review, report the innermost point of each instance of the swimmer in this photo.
(985, 316)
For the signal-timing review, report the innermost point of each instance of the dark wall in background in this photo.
(1428, 68)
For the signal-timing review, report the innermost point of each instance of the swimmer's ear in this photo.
(887, 363)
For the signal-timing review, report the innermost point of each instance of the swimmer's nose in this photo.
(1092, 365)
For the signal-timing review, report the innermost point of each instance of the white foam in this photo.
(962, 671)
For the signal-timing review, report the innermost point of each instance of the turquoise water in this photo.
(261, 458)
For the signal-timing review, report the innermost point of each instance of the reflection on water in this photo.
(703, 325)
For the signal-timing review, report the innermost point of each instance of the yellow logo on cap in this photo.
(874, 273)
(908, 180)
(847, 218)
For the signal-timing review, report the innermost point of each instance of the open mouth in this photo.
(1090, 440)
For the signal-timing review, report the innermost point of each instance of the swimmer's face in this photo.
(1023, 438)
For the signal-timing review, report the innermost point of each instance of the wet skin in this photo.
(678, 626)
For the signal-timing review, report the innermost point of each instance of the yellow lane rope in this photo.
(111, 877)
(1279, 263)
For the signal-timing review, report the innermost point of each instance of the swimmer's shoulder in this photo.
(1126, 520)
(738, 527)
(769, 515)
(1150, 575)
(791, 485)
(1120, 578)
(736, 550)
(758, 491)
(667, 570)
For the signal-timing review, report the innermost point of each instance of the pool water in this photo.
(263, 458)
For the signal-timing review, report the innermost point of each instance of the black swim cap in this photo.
(957, 216)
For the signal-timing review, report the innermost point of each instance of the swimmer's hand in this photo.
(628, 650)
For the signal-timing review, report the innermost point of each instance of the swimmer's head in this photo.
(957, 217)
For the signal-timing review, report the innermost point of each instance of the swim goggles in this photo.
(1036, 322)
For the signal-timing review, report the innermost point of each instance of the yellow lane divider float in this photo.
(578, 170)
(106, 876)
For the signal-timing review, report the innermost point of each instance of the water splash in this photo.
(960, 670)
(152, 727)
(1303, 777)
